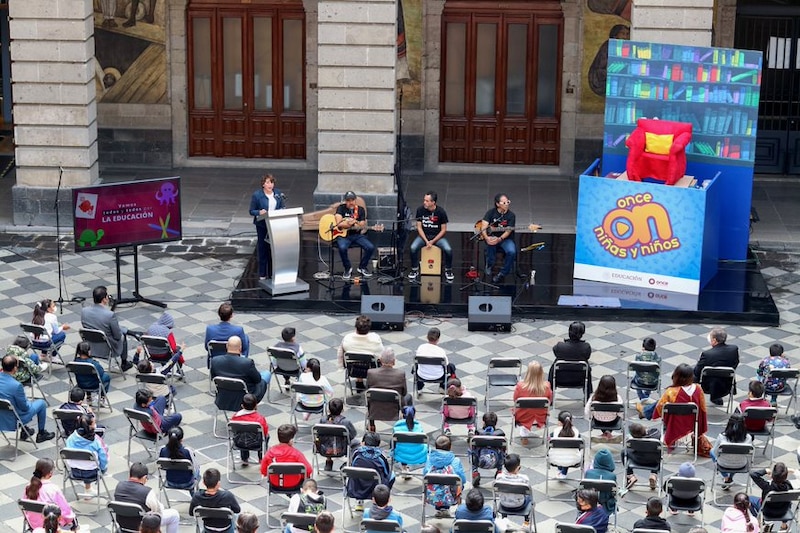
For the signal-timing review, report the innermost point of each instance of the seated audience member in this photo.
(652, 518)
(289, 342)
(533, 385)
(388, 377)
(683, 390)
(638, 431)
(75, 403)
(778, 481)
(216, 497)
(573, 348)
(163, 328)
(734, 433)
(146, 367)
(225, 330)
(737, 517)
(324, 522)
(44, 314)
(88, 381)
(369, 455)
(155, 407)
(246, 441)
(606, 393)
(474, 508)
(100, 317)
(603, 469)
(362, 340)
(29, 364)
(248, 523)
(486, 457)
(775, 360)
(151, 523)
(309, 500)
(431, 373)
(85, 438)
(51, 517)
(285, 452)
(135, 490)
(332, 445)
(233, 365)
(646, 379)
(312, 375)
(381, 508)
(455, 389)
(720, 354)
(755, 398)
(409, 453)
(563, 458)
(686, 470)
(508, 500)
(174, 449)
(42, 489)
(590, 512)
(442, 461)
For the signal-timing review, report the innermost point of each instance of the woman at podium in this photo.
(265, 199)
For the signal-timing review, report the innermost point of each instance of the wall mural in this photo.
(130, 51)
(602, 20)
(409, 51)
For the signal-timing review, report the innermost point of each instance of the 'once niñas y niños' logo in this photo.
(638, 226)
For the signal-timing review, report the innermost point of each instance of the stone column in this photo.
(356, 102)
(686, 22)
(55, 111)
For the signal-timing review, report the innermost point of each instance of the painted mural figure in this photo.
(109, 8)
(148, 17)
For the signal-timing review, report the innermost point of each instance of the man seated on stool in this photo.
(352, 219)
(501, 220)
(431, 228)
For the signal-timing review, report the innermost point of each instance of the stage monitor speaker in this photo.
(386, 312)
(489, 313)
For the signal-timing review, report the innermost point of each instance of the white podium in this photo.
(283, 232)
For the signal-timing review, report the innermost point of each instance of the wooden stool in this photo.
(431, 261)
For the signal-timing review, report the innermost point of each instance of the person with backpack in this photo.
(310, 500)
(380, 509)
(330, 445)
(512, 501)
(603, 468)
(409, 453)
(443, 461)
(487, 457)
(249, 441)
(369, 455)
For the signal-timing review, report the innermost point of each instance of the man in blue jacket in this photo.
(11, 390)
(225, 330)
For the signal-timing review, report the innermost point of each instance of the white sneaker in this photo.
(561, 475)
(448, 274)
(365, 273)
(44, 366)
(347, 273)
(414, 274)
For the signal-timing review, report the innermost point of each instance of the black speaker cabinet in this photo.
(489, 313)
(386, 312)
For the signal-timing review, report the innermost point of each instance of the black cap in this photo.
(349, 195)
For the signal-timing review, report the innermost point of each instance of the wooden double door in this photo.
(500, 83)
(246, 66)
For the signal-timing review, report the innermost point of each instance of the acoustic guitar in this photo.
(329, 232)
(500, 229)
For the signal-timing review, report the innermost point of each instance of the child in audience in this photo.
(443, 461)
(474, 508)
(456, 390)
(86, 381)
(380, 509)
(735, 433)
(144, 366)
(686, 470)
(646, 379)
(606, 392)
(333, 445)
(75, 403)
(487, 457)
(653, 519)
(777, 482)
(603, 468)
(174, 449)
(776, 359)
(312, 375)
(309, 500)
(285, 452)
(508, 500)
(737, 517)
(288, 342)
(638, 431)
(42, 489)
(148, 403)
(249, 413)
(369, 455)
(85, 438)
(755, 398)
(409, 453)
(28, 361)
(560, 457)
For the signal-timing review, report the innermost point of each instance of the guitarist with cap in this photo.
(352, 219)
(497, 229)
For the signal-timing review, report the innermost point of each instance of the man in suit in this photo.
(386, 376)
(101, 318)
(225, 330)
(11, 390)
(233, 365)
(720, 354)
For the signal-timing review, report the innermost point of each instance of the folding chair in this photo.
(47, 348)
(356, 365)
(407, 438)
(255, 433)
(334, 433)
(603, 486)
(420, 360)
(721, 372)
(787, 374)
(463, 401)
(201, 514)
(377, 399)
(233, 390)
(618, 424)
(159, 350)
(297, 407)
(533, 403)
(299, 520)
(29, 506)
(285, 363)
(60, 415)
(790, 497)
(573, 528)
(213, 349)
(7, 411)
(501, 372)
(83, 460)
(130, 514)
(157, 379)
(449, 480)
(672, 411)
(352, 473)
(767, 415)
(382, 526)
(521, 489)
(282, 470)
(554, 445)
(99, 393)
(728, 450)
(135, 431)
(33, 383)
(634, 368)
(571, 367)
(165, 465)
(684, 486)
(650, 453)
(473, 526)
(478, 442)
(96, 337)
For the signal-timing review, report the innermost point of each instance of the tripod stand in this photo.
(473, 272)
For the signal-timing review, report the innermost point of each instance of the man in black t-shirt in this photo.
(351, 219)
(431, 229)
(497, 229)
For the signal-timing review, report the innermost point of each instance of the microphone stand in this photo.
(58, 243)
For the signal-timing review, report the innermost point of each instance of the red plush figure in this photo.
(657, 149)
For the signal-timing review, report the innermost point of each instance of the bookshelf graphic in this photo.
(714, 89)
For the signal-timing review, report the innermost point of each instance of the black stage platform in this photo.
(738, 294)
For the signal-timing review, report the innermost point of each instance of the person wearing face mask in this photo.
(590, 512)
(720, 354)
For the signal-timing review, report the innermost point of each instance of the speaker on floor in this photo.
(386, 312)
(489, 313)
